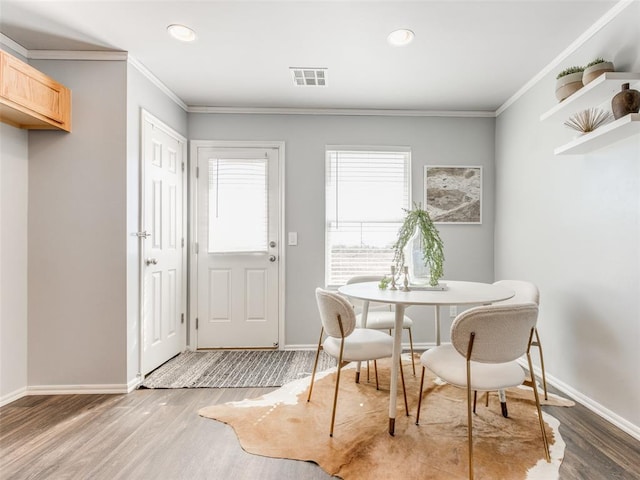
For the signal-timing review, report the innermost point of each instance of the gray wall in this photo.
(84, 201)
(14, 170)
(571, 224)
(141, 94)
(433, 141)
(14, 183)
(77, 233)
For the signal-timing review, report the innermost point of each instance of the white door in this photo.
(163, 252)
(237, 247)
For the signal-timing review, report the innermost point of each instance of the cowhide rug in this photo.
(282, 424)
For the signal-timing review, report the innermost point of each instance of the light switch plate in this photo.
(293, 238)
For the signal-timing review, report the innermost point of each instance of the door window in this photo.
(238, 205)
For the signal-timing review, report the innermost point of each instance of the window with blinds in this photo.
(238, 205)
(366, 192)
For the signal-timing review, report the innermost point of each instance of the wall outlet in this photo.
(293, 238)
(453, 311)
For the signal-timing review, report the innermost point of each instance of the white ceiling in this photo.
(466, 56)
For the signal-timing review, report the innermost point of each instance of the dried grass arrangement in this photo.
(588, 120)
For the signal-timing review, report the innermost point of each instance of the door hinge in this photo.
(182, 318)
(183, 166)
(197, 172)
(144, 234)
(182, 243)
(197, 248)
(197, 323)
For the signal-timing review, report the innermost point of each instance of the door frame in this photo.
(146, 116)
(193, 229)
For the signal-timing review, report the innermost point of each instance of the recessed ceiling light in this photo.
(400, 37)
(181, 32)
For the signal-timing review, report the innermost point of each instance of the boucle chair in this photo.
(526, 292)
(486, 342)
(347, 343)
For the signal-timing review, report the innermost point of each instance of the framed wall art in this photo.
(453, 194)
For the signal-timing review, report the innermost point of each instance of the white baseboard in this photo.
(13, 396)
(77, 389)
(600, 410)
(134, 383)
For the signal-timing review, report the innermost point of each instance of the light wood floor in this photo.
(157, 434)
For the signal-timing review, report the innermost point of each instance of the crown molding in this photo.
(157, 82)
(16, 47)
(572, 48)
(93, 55)
(98, 55)
(339, 111)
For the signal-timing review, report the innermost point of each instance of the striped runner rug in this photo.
(236, 369)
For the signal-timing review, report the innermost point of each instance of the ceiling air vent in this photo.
(313, 77)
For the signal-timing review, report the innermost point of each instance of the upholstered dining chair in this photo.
(346, 343)
(381, 319)
(526, 292)
(486, 341)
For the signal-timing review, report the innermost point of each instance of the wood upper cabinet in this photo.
(30, 99)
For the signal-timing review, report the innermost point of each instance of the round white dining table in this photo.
(455, 293)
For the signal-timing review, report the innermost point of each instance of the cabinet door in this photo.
(24, 88)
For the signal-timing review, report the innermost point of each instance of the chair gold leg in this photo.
(375, 368)
(544, 378)
(420, 397)
(404, 389)
(315, 364)
(475, 398)
(535, 394)
(486, 400)
(413, 361)
(335, 394)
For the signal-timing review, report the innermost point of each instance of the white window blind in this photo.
(238, 205)
(366, 192)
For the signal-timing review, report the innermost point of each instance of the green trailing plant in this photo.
(569, 71)
(596, 62)
(432, 246)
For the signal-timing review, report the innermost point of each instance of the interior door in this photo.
(237, 247)
(163, 252)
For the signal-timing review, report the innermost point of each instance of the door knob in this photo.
(151, 261)
(272, 258)
(272, 244)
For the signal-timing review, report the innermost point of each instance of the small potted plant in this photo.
(596, 68)
(419, 243)
(568, 82)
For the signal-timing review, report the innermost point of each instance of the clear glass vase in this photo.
(419, 273)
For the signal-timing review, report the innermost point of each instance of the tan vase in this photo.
(568, 85)
(594, 71)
